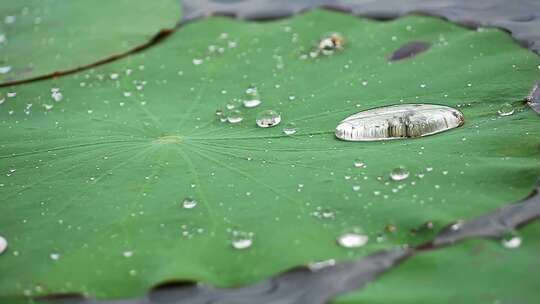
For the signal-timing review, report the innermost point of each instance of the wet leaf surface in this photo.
(45, 36)
(100, 176)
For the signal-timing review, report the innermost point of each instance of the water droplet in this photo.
(290, 128)
(352, 240)
(241, 243)
(127, 254)
(189, 203)
(3, 244)
(315, 266)
(506, 109)
(234, 116)
(5, 69)
(54, 256)
(511, 240)
(359, 163)
(268, 118)
(197, 61)
(398, 121)
(399, 174)
(252, 98)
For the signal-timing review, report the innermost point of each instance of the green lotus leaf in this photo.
(91, 197)
(39, 37)
(477, 271)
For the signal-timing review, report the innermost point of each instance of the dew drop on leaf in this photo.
(3, 244)
(268, 118)
(352, 240)
(5, 69)
(290, 128)
(252, 98)
(358, 163)
(398, 121)
(242, 241)
(511, 240)
(315, 266)
(506, 109)
(234, 116)
(399, 173)
(54, 256)
(189, 203)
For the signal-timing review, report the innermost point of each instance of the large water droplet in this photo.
(3, 244)
(290, 128)
(352, 240)
(189, 203)
(506, 109)
(399, 174)
(242, 240)
(398, 121)
(268, 118)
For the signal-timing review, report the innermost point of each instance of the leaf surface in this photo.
(105, 170)
(45, 36)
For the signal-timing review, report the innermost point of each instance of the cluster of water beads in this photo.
(324, 213)
(506, 109)
(3, 244)
(189, 203)
(352, 240)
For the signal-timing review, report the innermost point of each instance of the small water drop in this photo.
(197, 61)
(252, 98)
(189, 203)
(359, 163)
(5, 69)
(54, 256)
(506, 109)
(315, 266)
(127, 254)
(399, 174)
(290, 128)
(242, 243)
(511, 240)
(3, 244)
(268, 118)
(352, 240)
(234, 116)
